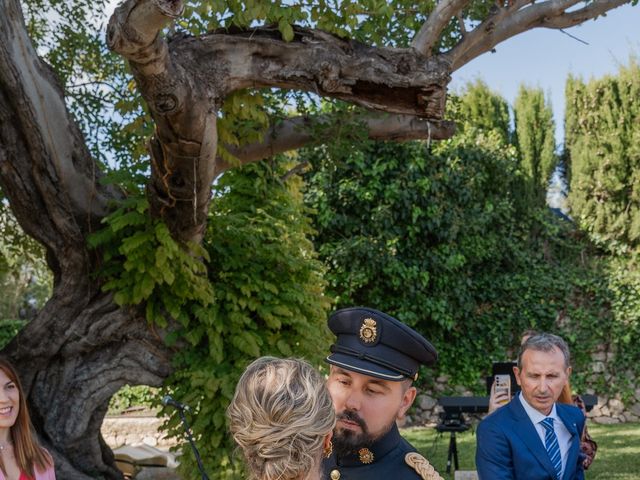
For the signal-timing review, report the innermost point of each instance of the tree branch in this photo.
(185, 80)
(393, 80)
(522, 16)
(589, 12)
(45, 167)
(297, 132)
(429, 34)
(298, 168)
(183, 148)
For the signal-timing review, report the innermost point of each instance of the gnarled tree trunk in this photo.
(81, 348)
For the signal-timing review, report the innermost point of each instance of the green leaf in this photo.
(286, 30)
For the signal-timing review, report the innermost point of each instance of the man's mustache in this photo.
(352, 416)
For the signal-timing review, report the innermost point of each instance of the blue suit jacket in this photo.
(509, 447)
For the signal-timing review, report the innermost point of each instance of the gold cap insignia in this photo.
(335, 475)
(368, 330)
(366, 455)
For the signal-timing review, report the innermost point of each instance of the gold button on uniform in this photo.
(335, 475)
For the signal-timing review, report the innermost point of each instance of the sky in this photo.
(544, 58)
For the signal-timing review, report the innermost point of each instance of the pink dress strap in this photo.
(23, 476)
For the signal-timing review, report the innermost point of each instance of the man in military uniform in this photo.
(374, 362)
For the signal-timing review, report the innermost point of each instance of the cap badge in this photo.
(366, 455)
(368, 330)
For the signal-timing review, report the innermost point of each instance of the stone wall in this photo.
(611, 408)
(135, 430)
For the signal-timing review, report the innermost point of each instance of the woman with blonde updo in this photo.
(282, 418)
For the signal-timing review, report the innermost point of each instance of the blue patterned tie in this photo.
(551, 444)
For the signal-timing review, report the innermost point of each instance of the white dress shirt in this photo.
(564, 436)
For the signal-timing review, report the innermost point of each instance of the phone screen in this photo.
(503, 385)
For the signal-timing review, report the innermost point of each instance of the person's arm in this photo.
(497, 400)
(493, 453)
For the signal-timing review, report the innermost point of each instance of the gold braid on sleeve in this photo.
(422, 466)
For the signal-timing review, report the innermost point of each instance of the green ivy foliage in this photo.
(409, 230)
(624, 284)
(143, 264)
(603, 146)
(136, 396)
(9, 329)
(269, 300)
(254, 288)
(439, 236)
(242, 119)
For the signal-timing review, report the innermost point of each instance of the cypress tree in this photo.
(484, 109)
(604, 152)
(535, 141)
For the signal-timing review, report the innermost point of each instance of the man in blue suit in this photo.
(533, 437)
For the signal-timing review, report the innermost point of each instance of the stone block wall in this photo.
(135, 430)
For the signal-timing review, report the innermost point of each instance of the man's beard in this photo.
(347, 442)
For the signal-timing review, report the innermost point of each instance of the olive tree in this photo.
(395, 59)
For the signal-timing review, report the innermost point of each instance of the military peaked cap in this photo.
(373, 343)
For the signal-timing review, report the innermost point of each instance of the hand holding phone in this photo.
(502, 389)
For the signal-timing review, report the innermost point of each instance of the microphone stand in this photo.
(187, 430)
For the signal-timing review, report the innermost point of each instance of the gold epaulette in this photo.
(422, 466)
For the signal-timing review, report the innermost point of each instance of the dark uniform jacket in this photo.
(384, 460)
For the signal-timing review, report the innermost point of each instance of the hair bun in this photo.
(279, 416)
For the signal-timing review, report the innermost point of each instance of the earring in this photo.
(328, 450)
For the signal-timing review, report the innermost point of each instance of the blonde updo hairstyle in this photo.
(279, 417)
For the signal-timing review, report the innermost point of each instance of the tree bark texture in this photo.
(82, 348)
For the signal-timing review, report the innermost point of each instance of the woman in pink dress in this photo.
(21, 457)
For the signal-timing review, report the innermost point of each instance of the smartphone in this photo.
(503, 384)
